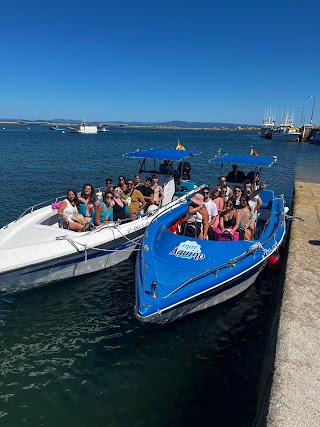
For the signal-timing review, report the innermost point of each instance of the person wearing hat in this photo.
(198, 214)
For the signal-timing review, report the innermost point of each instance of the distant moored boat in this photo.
(56, 127)
(84, 128)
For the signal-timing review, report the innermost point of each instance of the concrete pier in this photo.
(291, 393)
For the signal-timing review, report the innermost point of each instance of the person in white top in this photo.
(212, 212)
(68, 208)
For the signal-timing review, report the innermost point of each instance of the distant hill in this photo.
(173, 123)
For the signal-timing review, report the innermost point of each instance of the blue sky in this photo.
(159, 60)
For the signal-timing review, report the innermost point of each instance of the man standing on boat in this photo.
(236, 175)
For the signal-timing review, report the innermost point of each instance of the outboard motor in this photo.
(184, 170)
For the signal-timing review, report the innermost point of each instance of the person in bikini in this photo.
(228, 218)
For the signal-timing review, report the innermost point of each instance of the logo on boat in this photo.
(188, 250)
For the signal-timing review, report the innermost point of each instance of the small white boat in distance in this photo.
(84, 128)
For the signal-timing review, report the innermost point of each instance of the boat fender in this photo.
(55, 205)
(275, 261)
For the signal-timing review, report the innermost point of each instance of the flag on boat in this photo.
(254, 152)
(180, 146)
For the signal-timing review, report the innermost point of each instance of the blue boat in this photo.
(177, 275)
(56, 127)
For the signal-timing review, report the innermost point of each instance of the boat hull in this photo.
(289, 137)
(72, 265)
(315, 139)
(213, 296)
(178, 275)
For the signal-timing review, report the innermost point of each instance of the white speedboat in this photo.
(35, 251)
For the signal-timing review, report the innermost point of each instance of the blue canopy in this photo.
(238, 159)
(162, 154)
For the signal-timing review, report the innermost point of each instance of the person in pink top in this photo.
(218, 199)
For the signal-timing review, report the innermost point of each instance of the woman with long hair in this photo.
(120, 208)
(103, 212)
(122, 183)
(218, 199)
(68, 208)
(245, 220)
(228, 218)
(88, 201)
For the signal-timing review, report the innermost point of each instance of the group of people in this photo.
(128, 198)
(225, 209)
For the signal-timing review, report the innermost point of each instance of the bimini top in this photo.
(238, 159)
(162, 154)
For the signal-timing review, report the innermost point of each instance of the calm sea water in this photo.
(72, 353)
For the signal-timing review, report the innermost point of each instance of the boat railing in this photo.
(277, 225)
(39, 206)
(49, 202)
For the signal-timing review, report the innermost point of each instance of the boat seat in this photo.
(52, 220)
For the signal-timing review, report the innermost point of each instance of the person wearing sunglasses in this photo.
(237, 193)
(122, 183)
(103, 212)
(212, 212)
(109, 187)
(228, 218)
(218, 199)
(120, 208)
(245, 221)
(225, 189)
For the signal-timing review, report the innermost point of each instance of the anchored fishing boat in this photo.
(286, 131)
(34, 250)
(84, 128)
(177, 274)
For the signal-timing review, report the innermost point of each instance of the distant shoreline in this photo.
(149, 127)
